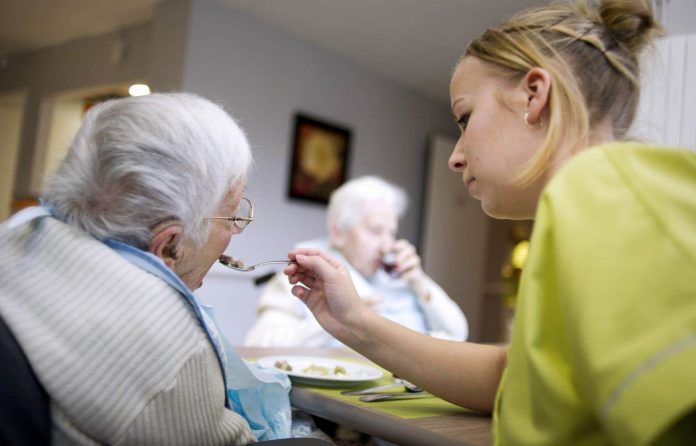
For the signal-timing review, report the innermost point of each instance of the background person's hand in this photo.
(408, 267)
(325, 286)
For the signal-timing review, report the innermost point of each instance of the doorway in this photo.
(11, 118)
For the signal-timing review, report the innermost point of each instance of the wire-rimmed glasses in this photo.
(246, 209)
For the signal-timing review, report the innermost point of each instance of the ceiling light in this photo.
(138, 90)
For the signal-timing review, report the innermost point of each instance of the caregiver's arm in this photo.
(464, 373)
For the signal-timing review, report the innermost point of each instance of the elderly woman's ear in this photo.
(165, 241)
(337, 237)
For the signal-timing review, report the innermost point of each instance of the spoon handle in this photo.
(268, 262)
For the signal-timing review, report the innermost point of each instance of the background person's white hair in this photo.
(136, 162)
(349, 203)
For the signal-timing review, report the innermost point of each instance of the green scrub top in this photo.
(603, 349)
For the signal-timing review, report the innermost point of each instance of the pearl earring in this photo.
(529, 124)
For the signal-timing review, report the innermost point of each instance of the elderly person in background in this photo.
(97, 285)
(363, 217)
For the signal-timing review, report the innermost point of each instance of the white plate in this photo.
(355, 372)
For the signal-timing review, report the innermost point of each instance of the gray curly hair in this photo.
(137, 162)
(349, 203)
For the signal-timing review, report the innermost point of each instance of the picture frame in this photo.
(319, 158)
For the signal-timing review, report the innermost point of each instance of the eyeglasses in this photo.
(245, 208)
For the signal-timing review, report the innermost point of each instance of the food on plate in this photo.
(316, 368)
(283, 365)
(319, 370)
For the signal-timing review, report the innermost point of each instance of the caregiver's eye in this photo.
(463, 120)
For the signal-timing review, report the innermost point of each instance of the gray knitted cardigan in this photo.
(120, 353)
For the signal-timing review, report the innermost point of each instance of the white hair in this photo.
(350, 202)
(139, 161)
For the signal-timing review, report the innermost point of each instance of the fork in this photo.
(238, 265)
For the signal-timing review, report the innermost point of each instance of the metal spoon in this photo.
(238, 265)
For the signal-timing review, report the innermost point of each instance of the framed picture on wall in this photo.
(319, 159)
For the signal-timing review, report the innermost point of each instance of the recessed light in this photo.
(138, 90)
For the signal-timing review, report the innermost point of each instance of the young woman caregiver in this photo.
(604, 343)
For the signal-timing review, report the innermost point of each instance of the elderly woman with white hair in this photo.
(96, 285)
(362, 221)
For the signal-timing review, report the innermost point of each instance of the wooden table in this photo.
(465, 428)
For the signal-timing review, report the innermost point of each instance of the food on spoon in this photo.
(231, 261)
(283, 365)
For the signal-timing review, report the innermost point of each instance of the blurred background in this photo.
(377, 68)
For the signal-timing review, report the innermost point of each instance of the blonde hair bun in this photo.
(631, 23)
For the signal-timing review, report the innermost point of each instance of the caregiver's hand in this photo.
(325, 286)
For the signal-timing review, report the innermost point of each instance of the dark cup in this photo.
(389, 264)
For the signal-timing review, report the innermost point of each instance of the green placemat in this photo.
(413, 408)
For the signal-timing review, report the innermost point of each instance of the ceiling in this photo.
(412, 42)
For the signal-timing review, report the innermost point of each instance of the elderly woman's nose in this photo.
(387, 243)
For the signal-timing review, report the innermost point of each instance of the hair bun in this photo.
(630, 22)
